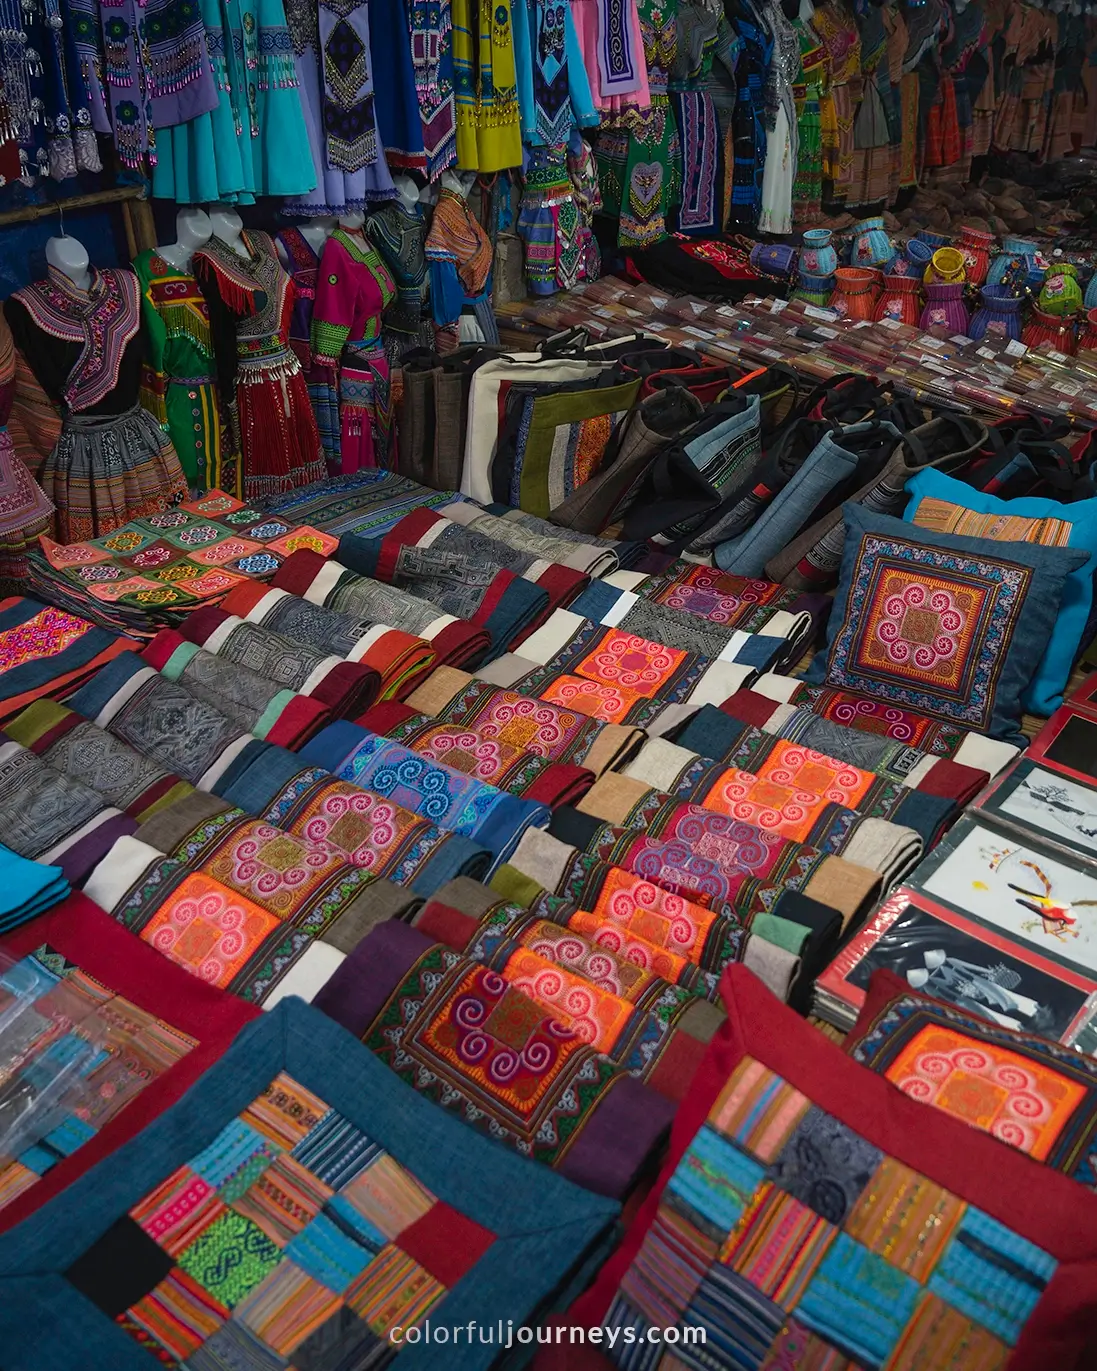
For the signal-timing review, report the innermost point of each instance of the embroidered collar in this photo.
(103, 319)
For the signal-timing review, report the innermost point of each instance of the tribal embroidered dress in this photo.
(400, 237)
(334, 189)
(555, 100)
(353, 290)
(24, 510)
(303, 265)
(488, 133)
(639, 154)
(613, 52)
(253, 141)
(431, 25)
(459, 255)
(252, 298)
(177, 381)
(112, 462)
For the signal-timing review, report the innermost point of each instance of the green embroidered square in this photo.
(230, 1258)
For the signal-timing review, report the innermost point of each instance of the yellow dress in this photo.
(489, 137)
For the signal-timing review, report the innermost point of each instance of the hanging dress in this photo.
(431, 32)
(178, 386)
(400, 238)
(485, 82)
(348, 161)
(807, 189)
(748, 126)
(459, 257)
(254, 141)
(837, 31)
(353, 290)
(555, 101)
(782, 133)
(113, 462)
(303, 265)
(24, 510)
(638, 152)
(251, 300)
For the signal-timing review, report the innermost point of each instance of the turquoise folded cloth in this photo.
(27, 889)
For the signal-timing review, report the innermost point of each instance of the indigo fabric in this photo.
(952, 627)
(467, 1230)
(940, 502)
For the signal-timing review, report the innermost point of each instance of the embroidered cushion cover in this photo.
(1033, 1094)
(954, 627)
(293, 1210)
(943, 504)
(811, 1216)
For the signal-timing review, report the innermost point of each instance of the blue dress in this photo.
(255, 142)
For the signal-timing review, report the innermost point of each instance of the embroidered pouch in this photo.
(809, 1215)
(942, 504)
(295, 1208)
(948, 625)
(1028, 1092)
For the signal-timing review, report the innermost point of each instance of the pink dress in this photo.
(589, 17)
(353, 288)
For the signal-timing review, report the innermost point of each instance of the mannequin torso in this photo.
(228, 226)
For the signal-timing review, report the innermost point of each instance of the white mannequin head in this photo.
(317, 231)
(352, 220)
(459, 182)
(228, 226)
(193, 228)
(407, 192)
(70, 256)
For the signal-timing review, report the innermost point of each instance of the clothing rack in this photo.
(137, 216)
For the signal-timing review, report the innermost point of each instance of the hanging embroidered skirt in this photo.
(109, 469)
(695, 114)
(366, 420)
(278, 435)
(24, 514)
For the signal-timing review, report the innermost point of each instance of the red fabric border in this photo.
(83, 933)
(1046, 1208)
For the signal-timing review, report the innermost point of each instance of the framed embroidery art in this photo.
(1017, 888)
(1033, 802)
(938, 952)
(1068, 742)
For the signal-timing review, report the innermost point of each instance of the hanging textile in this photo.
(431, 28)
(488, 134)
(177, 382)
(24, 510)
(253, 141)
(250, 300)
(459, 254)
(399, 235)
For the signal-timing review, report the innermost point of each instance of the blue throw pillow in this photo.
(945, 505)
(951, 627)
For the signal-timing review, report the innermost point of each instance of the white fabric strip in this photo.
(719, 681)
(985, 754)
(213, 774)
(324, 582)
(317, 674)
(432, 630)
(918, 774)
(625, 580)
(121, 868)
(124, 695)
(216, 640)
(774, 687)
(619, 609)
(366, 641)
(659, 763)
(261, 608)
(561, 626)
(308, 975)
(736, 643)
(434, 532)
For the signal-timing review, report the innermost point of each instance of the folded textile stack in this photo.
(151, 571)
(47, 652)
(27, 889)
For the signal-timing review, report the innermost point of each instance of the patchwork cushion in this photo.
(810, 1216)
(299, 1207)
(944, 505)
(952, 627)
(1028, 1092)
